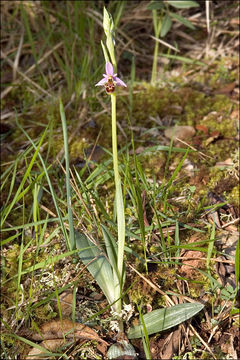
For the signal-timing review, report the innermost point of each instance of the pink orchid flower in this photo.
(110, 79)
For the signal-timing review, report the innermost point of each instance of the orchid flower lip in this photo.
(109, 76)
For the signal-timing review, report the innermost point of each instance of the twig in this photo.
(152, 285)
(193, 148)
(202, 341)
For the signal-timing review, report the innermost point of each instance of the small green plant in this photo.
(162, 23)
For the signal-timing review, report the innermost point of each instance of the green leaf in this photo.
(95, 259)
(182, 20)
(183, 59)
(145, 337)
(166, 25)
(155, 5)
(111, 247)
(183, 4)
(163, 319)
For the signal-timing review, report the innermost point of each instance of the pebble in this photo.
(181, 132)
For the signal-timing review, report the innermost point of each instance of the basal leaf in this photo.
(163, 319)
(112, 251)
(111, 247)
(97, 264)
(183, 4)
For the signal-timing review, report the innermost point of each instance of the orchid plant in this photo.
(108, 269)
(106, 264)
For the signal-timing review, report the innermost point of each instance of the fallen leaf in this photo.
(57, 329)
(235, 114)
(197, 141)
(226, 242)
(56, 332)
(213, 217)
(226, 163)
(226, 89)
(66, 299)
(171, 345)
(50, 345)
(214, 136)
(192, 260)
(138, 150)
(202, 128)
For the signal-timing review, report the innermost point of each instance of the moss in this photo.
(10, 260)
(45, 312)
(154, 164)
(233, 196)
(77, 147)
(104, 123)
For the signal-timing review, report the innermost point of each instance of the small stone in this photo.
(181, 132)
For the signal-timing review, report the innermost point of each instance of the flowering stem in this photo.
(119, 205)
(157, 29)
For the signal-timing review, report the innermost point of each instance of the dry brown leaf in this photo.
(226, 89)
(66, 299)
(214, 136)
(171, 345)
(55, 333)
(50, 345)
(192, 260)
(221, 270)
(227, 162)
(57, 329)
(202, 128)
(227, 243)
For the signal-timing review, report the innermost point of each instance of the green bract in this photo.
(108, 24)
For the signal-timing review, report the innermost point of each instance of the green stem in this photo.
(154, 67)
(119, 204)
(157, 29)
(68, 186)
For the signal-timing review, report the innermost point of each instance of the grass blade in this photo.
(145, 338)
(15, 199)
(210, 247)
(48, 178)
(70, 216)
